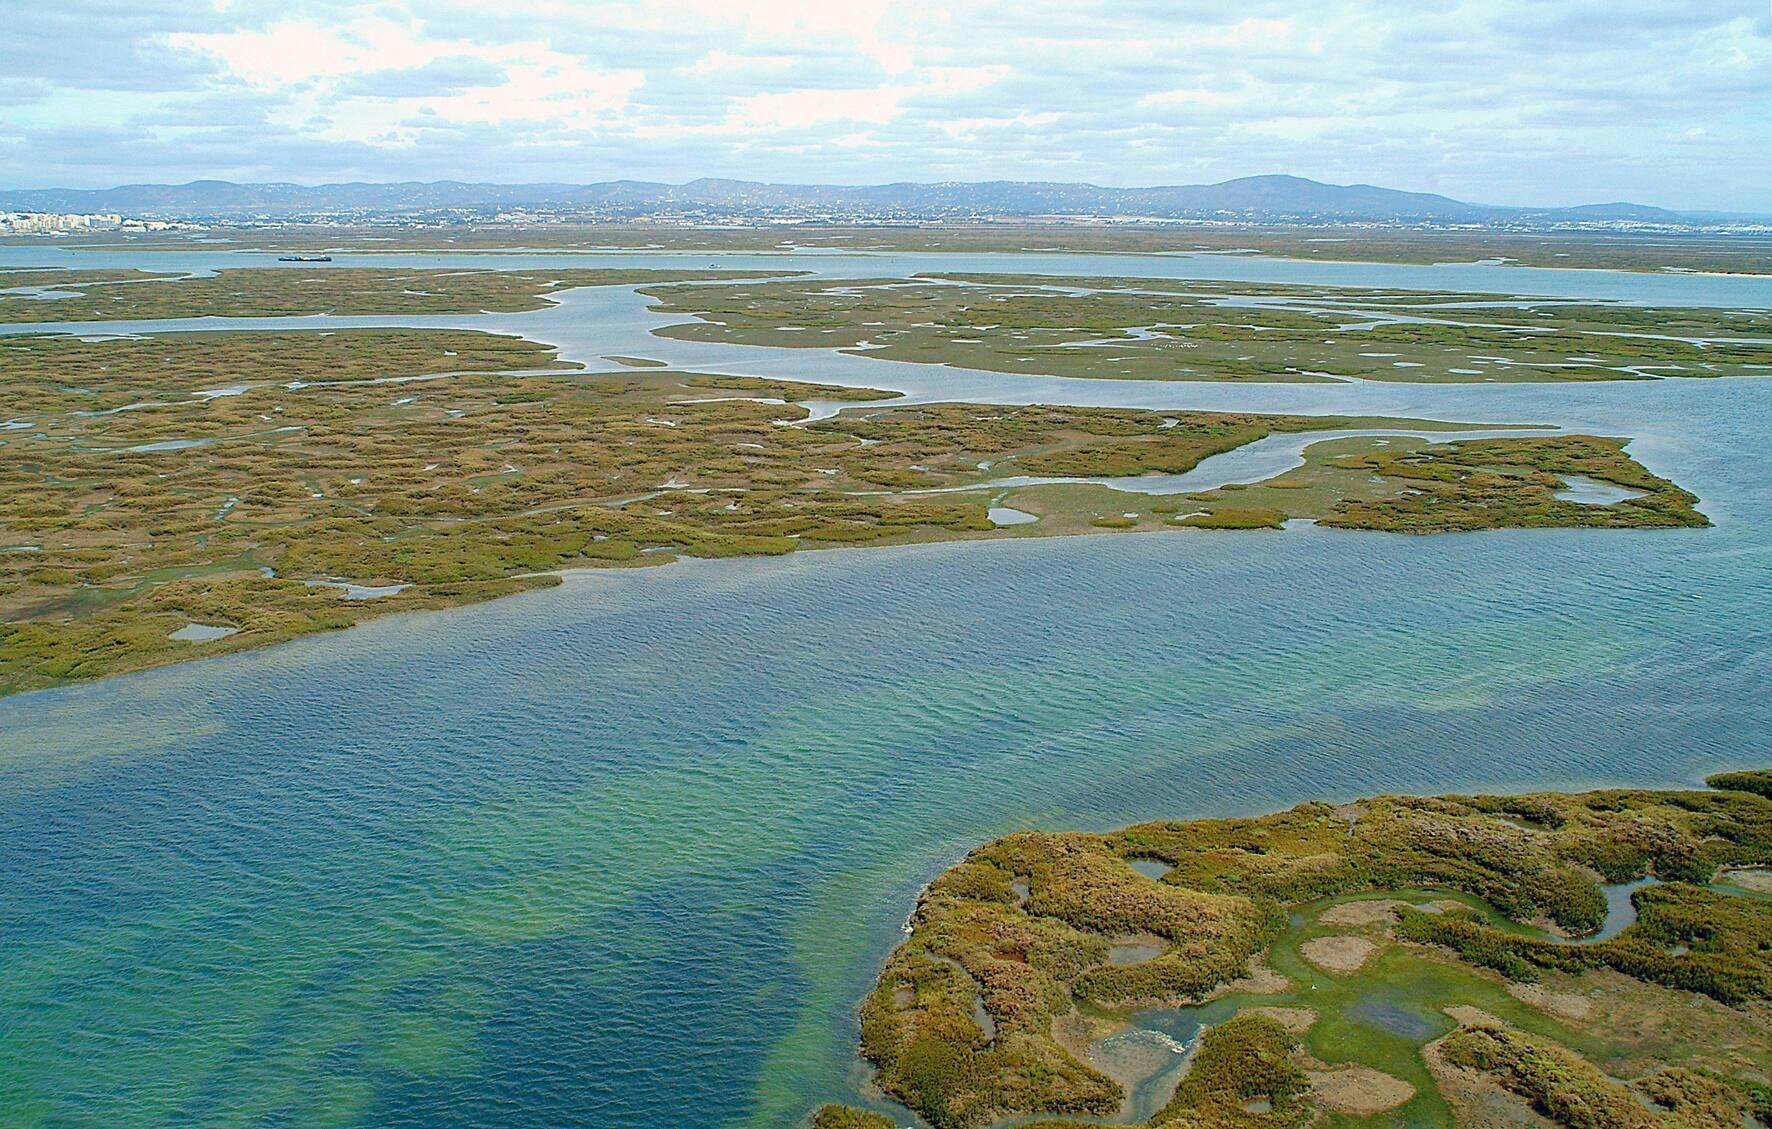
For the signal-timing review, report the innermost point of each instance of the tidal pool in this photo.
(202, 632)
(1621, 911)
(1593, 492)
(1008, 515)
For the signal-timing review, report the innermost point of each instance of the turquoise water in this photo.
(626, 852)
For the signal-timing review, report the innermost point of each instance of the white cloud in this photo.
(801, 108)
(326, 73)
(1195, 97)
(797, 109)
(1504, 100)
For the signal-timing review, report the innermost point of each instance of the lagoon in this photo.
(627, 851)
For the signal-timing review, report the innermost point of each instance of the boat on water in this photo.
(304, 258)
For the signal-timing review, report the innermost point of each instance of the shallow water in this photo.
(202, 632)
(1593, 492)
(1135, 952)
(1394, 1015)
(627, 852)
(1008, 515)
(1148, 1062)
(1621, 911)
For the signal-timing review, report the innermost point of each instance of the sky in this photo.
(1664, 102)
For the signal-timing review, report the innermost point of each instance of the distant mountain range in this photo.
(1257, 198)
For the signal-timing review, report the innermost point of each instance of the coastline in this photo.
(516, 583)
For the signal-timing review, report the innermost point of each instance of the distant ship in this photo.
(304, 258)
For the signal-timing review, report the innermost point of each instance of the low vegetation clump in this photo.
(1017, 945)
(843, 1117)
(1686, 937)
(1242, 1063)
(1760, 783)
(1233, 518)
(1572, 1092)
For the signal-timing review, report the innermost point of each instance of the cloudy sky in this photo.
(1502, 101)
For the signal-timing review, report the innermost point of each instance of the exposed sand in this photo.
(1358, 1090)
(1349, 812)
(1464, 1013)
(1566, 1004)
(1338, 954)
(1755, 878)
(1074, 1032)
(1372, 911)
(1296, 1020)
(1129, 1056)
(1261, 981)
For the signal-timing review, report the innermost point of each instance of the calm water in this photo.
(625, 853)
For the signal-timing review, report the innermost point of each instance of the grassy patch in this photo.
(1231, 518)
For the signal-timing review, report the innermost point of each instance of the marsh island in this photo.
(1157, 329)
(175, 495)
(1593, 959)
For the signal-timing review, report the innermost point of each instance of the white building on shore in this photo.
(50, 223)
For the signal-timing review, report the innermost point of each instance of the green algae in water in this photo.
(515, 881)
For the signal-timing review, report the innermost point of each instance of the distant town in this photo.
(79, 223)
(1248, 201)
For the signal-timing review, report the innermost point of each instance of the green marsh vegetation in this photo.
(1640, 253)
(1413, 484)
(1232, 518)
(100, 295)
(1571, 1091)
(1509, 482)
(1139, 329)
(1538, 315)
(231, 485)
(142, 495)
(843, 1117)
(1292, 938)
(55, 374)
